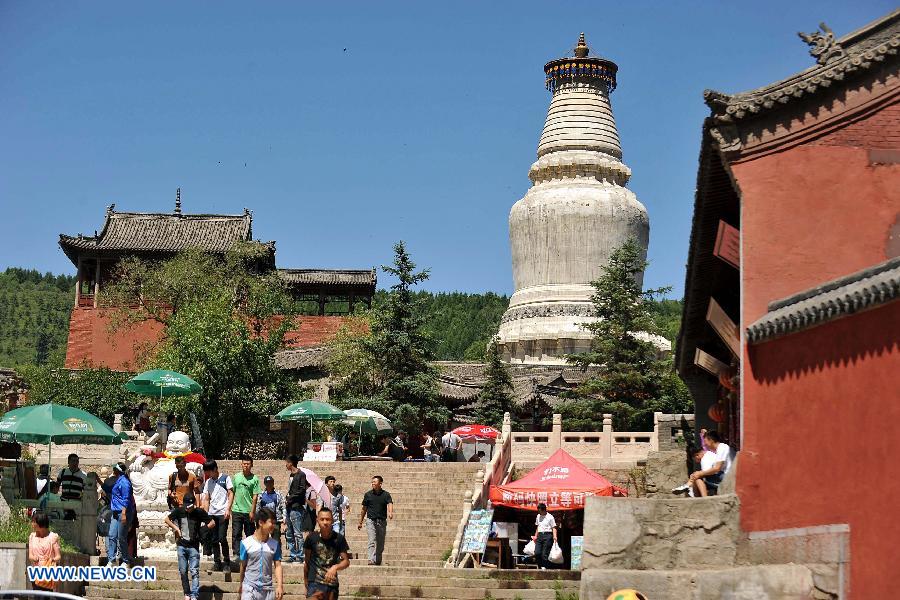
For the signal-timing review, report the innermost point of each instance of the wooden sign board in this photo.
(724, 326)
(709, 363)
(728, 244)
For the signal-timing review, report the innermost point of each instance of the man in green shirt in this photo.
(243, 503)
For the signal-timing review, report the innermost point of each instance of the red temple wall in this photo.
(817, 211)
(91, 344)
(821, 414)
(821, 407)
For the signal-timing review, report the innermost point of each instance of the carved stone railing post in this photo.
(606, 449)
(86, 517)
(457, 540)
(117, 423)
(506, 430)
(556, 434)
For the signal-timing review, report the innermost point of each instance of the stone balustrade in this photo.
(604, 445)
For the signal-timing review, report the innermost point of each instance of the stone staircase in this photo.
(428, 502)
(387, 582)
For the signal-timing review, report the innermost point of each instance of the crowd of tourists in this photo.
(435, 446)
(313, 523)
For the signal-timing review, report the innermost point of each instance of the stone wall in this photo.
(672, 533)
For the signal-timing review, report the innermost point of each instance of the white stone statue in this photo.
(151, 470)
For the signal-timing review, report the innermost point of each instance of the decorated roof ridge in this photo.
(367, 277)
(840, 297)
(836, 59)
(163, 232)
(581, 67)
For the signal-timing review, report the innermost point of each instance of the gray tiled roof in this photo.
(365, 277)
(862, 290)
(162, 232)
(848, 56)
(301, 358)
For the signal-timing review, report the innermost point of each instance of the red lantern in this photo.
(717, 413)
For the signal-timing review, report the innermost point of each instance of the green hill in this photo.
(34, 316)
(35, 307)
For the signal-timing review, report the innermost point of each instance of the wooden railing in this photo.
(495, 472)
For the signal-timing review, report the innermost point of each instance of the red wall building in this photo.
(328, 294)
(807, 170)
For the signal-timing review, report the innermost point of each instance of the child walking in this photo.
(43, 548)
(260, 554)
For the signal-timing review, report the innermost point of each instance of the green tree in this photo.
(223, 322)
(98, 391)
(495, 397)
(632, 382)
(388, 368)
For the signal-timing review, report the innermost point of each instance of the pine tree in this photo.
(495, 397)
(632, 381)
(400, 348)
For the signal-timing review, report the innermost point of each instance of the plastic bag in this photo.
(528, 550)
(556, 555)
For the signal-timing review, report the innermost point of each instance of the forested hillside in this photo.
(34, 316)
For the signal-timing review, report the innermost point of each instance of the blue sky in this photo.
(348, 126)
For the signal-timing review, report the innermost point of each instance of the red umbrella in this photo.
(478, 433)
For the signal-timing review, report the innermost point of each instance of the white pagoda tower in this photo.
(577, 212)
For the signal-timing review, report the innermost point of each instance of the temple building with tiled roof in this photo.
(328, 294)
(790, 336)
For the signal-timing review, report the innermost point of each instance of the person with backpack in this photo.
(218, 494)
(187, 522)
(431, 448)
(274, 501)
(181, 482)
(451, 444)
(340, 509)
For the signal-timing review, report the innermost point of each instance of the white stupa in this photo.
(577, 212)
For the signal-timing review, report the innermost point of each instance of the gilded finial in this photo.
(178, 201)
(581, 50)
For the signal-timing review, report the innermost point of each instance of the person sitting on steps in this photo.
(705, 480)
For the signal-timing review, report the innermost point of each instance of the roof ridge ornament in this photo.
(110, 209)
(178, 201)
(824, 47)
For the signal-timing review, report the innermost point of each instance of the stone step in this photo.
(375, 576)
(381, 592)
(756, 581)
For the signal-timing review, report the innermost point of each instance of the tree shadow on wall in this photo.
(838, 344)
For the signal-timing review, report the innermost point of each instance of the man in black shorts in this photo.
(326, 553)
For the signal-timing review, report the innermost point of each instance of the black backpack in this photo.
(104, 518)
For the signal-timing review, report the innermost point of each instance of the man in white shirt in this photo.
(451, 443)
(216, 498)
(544, 536)
(709, 478)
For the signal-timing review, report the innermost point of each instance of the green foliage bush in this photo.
(17, 529)
(98, 391)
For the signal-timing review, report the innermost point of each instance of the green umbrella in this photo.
(312, 410)
(160, 382)
(55, 423)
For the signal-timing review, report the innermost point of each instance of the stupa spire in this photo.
(576, 214)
